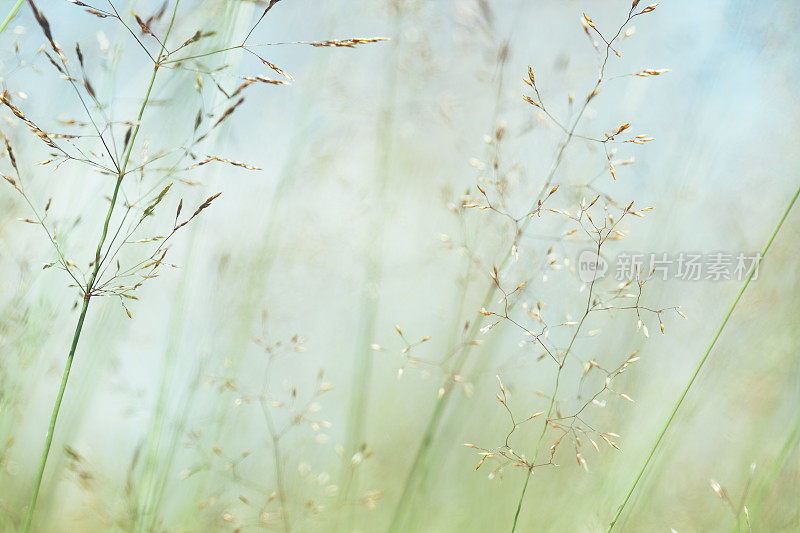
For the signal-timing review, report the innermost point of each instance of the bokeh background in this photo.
(354, 227)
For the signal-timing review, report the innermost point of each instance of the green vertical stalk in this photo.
(362, 363)
(700, 364)
(88, 295)
(768, 481)
(51, 428)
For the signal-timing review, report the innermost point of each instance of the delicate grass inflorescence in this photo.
(598, 221)
(450, 242)
(109, 150)
(284, 413)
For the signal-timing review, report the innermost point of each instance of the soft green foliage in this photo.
(391, 269)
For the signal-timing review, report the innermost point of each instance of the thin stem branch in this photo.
(276, 458)
(555, 393)
(275, 436)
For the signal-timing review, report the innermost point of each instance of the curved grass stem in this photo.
(700, 364)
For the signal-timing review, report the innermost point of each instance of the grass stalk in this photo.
(11, 15)
(419, 458)
(422, 462)
(150, 484)
(768, 481)
(439, 409)
(362, 367)
(53, 418)
(700, 364)
(275, 437)
(267, 253)
(88, 295)
(159, 456)
(529, 473)
(570, 133)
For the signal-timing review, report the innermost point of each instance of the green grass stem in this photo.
(700, 364)
(87, 296)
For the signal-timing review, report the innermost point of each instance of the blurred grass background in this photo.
(386, 137)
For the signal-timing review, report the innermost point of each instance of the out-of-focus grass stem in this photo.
(769, 479)
(370, 304)
(266, 254)
(465, 349)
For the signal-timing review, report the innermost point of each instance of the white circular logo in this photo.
(591, 266)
